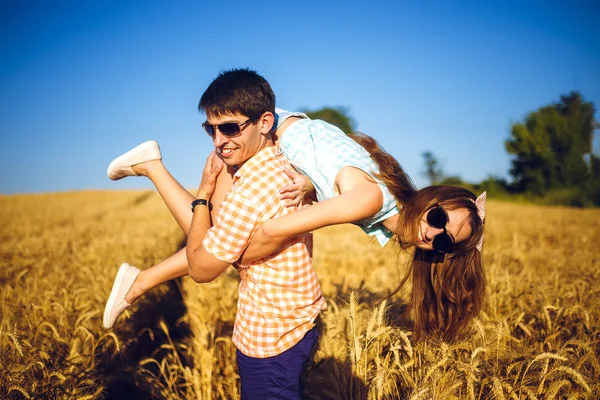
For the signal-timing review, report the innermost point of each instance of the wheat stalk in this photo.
(497, 388)
(576, 376)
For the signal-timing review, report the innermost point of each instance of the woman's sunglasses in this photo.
(437, 217)
(229, 129)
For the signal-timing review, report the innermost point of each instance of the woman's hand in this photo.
(301, 188)
(213, 166)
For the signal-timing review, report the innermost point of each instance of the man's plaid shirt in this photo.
(282, 297)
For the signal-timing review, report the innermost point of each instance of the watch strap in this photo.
(202, 202)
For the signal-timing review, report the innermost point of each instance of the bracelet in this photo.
(203, 202)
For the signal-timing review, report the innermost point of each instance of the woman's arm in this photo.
(362, 201)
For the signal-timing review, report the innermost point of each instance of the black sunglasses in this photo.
(437, 217)
(229, 129)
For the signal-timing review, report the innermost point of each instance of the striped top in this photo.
(282, 297)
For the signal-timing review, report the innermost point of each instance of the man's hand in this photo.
(296, 192)
(213, 166)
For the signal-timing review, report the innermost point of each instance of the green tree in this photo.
(494, 186)
(338, 116)
(593, 188)
(433, 170)
(551, 146)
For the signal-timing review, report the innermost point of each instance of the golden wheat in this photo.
(536, 338)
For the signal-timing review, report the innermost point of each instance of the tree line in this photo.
(553, 161)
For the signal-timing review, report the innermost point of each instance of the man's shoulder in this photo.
(264, 178)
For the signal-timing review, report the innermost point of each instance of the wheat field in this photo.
(537, 337)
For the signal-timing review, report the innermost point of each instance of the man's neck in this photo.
(268, 143)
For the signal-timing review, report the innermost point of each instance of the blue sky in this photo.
(82, 82)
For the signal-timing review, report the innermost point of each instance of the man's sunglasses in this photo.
(437, 217)
(229, 129)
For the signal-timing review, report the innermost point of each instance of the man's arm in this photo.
(203, 266)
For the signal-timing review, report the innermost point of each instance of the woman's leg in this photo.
(178, 201)
(174, 266)
(130, 283)
(175, 196)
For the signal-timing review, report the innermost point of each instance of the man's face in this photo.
(235, 150)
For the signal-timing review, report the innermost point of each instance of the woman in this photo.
(362, 184)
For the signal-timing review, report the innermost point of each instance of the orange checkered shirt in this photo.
(282, 297)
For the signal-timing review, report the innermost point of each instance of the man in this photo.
(281, 297)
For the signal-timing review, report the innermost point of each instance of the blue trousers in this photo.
(276, 377)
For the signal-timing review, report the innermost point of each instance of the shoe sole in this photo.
(136, 155)
(113, 294)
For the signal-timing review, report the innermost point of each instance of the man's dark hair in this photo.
(241, 91)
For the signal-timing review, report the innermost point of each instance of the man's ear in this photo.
(267, 120)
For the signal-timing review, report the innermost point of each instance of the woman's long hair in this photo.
(390, 170)
(448, 291)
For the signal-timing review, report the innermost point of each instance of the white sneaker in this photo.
(116, 303)
(120, 167)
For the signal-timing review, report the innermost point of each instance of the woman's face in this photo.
(457, 228)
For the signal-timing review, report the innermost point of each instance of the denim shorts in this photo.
(276, 377)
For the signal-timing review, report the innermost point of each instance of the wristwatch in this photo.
(203, 202)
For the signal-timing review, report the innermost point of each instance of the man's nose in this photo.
(219, 139)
